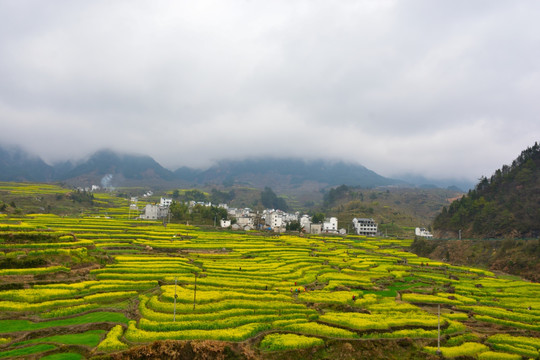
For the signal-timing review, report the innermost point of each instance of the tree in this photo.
(179, 211)
(217, 196)
(270, 200)
(293, 226)
(318, 218)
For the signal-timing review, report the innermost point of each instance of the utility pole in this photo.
(438, 329)
(175, 296)
(195, 292)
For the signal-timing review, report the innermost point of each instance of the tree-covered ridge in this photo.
(505, 205)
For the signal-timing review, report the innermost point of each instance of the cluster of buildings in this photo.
(89, 188)
(277, 221)
(269, 219)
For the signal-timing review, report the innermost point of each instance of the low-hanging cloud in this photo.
(433, 88)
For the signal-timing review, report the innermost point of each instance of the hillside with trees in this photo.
(397, 210)
(504, 205)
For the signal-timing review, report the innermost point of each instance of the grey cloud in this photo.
(430, 87)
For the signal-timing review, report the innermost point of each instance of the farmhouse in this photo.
(316, 229)
(330, 225)
(363, 226)
(305, 223)
(165, 202)
(423, 232)
(154, 212)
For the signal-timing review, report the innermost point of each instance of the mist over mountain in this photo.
(277, 173)
(18, 165)
(282, 174)
(128, 166)
(425, 183)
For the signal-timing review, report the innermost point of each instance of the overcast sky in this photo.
(440, 88)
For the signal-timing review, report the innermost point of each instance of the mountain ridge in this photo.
(504, 205)
(282, 174)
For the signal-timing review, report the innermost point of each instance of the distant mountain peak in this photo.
(287, 172)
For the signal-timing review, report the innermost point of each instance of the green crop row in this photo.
(168, 307)
(521, 350)
(34, 307)
(273, 342)
(68, 310)
(503, 314)
(186, 295)
(311, 328)
(232, 334)
(359, 321)
(230, 322)
(150, 314)
(34, 271)
(429, 299)
(465, 349)
(112, 341)
(492, 355)
(516, 324)
(515, 340)
(7, 326)
(405, 333)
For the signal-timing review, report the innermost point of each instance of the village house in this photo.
(363, 226)
(423, 232)
(305, 223)
(165, 202)
(316, 229)
(245, 220)
(154, 212)
(330, 225)
(274, 219)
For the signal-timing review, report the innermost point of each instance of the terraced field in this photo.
(110, 284)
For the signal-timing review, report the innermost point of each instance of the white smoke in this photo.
(106, 182)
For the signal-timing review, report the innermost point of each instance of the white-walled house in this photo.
(363, 226)
(225, 223)
(274, 219)
(154, 212)
(423, 232)
(165, 202)
(315, 229)
(330, 225)
(245, 221)
(305, 223)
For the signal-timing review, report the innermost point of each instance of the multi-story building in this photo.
(274, 219)
(363, 226)
(154, 212)
(330, 225)
(305, 223)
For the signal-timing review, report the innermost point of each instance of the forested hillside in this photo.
(397, 210)
(505, 205)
